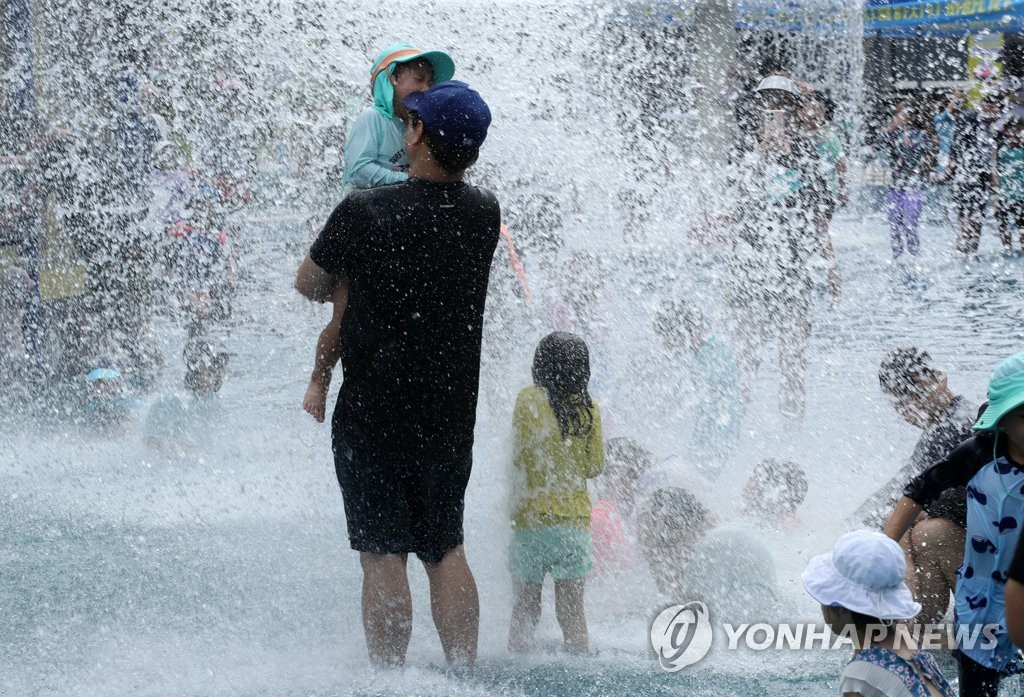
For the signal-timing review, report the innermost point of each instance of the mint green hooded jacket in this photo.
(375, 151)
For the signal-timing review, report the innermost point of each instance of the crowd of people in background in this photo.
(141, 215)
(960, 154)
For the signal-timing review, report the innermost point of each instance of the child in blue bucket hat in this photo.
(991, 466)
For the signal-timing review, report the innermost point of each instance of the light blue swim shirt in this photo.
(375, 150)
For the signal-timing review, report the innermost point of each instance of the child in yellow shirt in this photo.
(558, 447)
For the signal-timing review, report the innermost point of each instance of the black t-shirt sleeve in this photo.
(334, 248)
(958, 468)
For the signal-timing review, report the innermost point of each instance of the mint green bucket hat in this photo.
(1005, 392)
(380, 86)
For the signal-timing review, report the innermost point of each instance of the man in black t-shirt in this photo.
(919, 392)
(416, 256)
(934, 545)
(970, 169)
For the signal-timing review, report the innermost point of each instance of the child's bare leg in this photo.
(327, 354)
(1004, 231)
(328, 351)
(571, 618)
(525, 616)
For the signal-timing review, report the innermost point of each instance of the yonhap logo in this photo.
(681, 635)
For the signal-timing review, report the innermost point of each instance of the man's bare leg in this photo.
(911, 577)
(793, 338)
(750, 340)
(387, 607)
(455, 606)
(971, 225)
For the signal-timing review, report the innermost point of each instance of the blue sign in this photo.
(896, 18)
(952, 18)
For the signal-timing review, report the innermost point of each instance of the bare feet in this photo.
(315, 401)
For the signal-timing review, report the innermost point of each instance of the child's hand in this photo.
(315, 401)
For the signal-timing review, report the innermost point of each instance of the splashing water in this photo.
(224, 569)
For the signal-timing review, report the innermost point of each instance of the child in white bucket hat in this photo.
(862, 593)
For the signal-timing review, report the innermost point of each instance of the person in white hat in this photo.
(861, 590)
(779, 229)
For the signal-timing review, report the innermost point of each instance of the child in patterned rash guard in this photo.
(991, 466)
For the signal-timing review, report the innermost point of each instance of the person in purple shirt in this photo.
(911, 154)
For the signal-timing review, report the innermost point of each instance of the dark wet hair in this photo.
(673, 508)
(913, 114)
(904, 369)
(828, 105)
(771, 65)
(783, 483)
(626, 457)
(449, 158)
(420, 62)
(561, 365)
(201, 357)
(994, 100)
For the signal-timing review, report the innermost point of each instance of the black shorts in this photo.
(1011, 213)
(975, 679)
(397, 504)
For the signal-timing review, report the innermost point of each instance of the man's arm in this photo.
(902, 518)
(1015, 596)
(1015, 611)
(957, 469)
(314, 283)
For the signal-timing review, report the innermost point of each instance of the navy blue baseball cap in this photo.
(454, 111)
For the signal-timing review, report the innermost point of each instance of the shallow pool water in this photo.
(225, 571)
